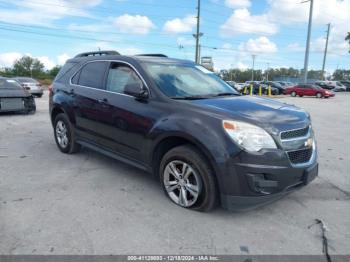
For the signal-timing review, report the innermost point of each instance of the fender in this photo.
(207, 136)
(60, 102)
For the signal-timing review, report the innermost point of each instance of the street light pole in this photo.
(197, 35)
(306, 60)
(325, 53)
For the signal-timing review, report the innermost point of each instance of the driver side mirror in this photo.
(137, 90)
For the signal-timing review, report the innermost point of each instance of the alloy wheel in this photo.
(62, 134)
(182, 183)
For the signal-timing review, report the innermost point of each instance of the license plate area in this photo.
(8, 104)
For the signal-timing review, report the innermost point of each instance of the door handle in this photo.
(103, 101)
(71, 92)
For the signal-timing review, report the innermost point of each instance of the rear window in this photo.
(68, 66)
(9, 84)
(93, 74)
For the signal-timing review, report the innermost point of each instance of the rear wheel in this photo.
(294, 94)
(319, 95)
(64, 135)
(187, 179)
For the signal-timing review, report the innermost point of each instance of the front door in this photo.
(129, 120)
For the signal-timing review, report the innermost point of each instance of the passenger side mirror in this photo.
(137, 90)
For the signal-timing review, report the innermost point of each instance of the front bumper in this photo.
(248, 180)
(269, 186)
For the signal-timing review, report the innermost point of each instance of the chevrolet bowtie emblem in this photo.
(308, 143)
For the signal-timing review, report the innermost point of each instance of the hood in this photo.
(13, 92)
(272, 115)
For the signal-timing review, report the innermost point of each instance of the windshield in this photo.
(181, 81)
(9, 84)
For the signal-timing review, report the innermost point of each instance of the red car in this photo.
(308, 90)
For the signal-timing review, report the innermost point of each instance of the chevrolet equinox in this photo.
(175, 119)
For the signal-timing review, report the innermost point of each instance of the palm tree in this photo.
(347, 38)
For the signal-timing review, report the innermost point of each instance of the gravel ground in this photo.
(52, 203)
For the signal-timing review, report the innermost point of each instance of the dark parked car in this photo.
(203, 141)
(13, 98)
(346, 83)
(308, 90)
(324, 85)
(275, 85)
(32, 85)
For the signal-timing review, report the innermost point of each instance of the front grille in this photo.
(300, 156)
(294, 133)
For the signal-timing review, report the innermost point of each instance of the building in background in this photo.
(207, 62)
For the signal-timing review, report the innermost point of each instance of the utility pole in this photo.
(306, 61)
(197, 35)
(325, 52)
(267, 72)
(253, 56)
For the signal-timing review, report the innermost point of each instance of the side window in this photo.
(93, 74)
(120, 75)
(75, 78)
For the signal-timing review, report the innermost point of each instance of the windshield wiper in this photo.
(226, 94)
(188, 97)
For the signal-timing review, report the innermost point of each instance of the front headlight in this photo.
(247, 136)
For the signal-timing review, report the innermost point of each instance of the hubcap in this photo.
(61, 134)
(182, 183)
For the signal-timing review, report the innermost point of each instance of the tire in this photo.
(293, 94)
(173, 177)
(39, 96)
(64, 135)
(31, 111)
(30, 107)
(300, 95)
(319, 95)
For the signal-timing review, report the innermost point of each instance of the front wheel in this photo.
(64, 135)
(187, 179)
(293, 94)
(319, 95)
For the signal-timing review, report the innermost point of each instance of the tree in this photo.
(28, 66)
(341, 74)
(347, 38)
(54, 71)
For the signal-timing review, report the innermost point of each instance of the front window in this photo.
(187, 81)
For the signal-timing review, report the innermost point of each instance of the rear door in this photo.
(88, 93)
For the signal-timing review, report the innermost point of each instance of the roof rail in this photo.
(156, 55)
(97, 53)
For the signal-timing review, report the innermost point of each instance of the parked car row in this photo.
(319, 89)
(277, 87)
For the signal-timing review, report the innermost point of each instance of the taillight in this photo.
(50, 90)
